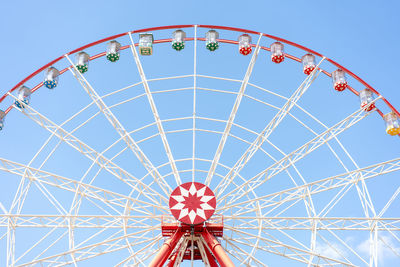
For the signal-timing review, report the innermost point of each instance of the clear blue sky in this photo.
(363, 36)
(358, 34)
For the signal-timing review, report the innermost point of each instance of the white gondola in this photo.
(392, 123)
(112, 53)
(212, 40)
(277, 52)
(82, 62)
(339, 80)
(23, 97)
(146, 44)
(308, 61)
(244, 44)
(178, 40)
(366, 97)
(51, 78)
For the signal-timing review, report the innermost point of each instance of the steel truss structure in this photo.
(292, 182)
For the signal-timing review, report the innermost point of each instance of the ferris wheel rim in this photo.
(235, 29)
(161, 41)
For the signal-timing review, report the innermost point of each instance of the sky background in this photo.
(363, 36)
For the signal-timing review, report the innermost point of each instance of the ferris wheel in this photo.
(198, 145)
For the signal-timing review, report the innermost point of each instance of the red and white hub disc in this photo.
(192, 203)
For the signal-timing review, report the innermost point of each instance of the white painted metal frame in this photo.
(89, 152)
(276, 228)
(253, 223)
(233, 112)
(248, 154)
(155, 112)
(119, 128)
(297, 154)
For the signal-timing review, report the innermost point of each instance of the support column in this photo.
(210, 258)
(217, 250)
(166, 250)
(172, 261)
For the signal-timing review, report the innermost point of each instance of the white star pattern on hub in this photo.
(192, 203)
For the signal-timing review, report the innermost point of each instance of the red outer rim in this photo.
(201, 39)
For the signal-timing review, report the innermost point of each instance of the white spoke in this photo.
(343, 243)
(296, 155)
(92, 154)
(51, 245)
(145, 248)
(120, 129)
(295, 197)
(89, 191)
(107, 246)
(155, 112)
(307, 223)
(10, 243)
(37, 243)
(271, 126)
(392, 198)
(322, 185)
(243, 252)
(194, 101)
(24, 185)
(286, 250)
(80, 221)
(233, 113)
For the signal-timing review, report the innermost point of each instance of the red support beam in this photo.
(166, 250)
(174, 257)
(172, 261)
(217, 250)
(210, 258)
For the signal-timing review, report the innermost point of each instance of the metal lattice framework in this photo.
(292, 186)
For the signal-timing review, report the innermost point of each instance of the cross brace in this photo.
(195, 244)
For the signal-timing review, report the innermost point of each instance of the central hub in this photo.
(192, 203)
